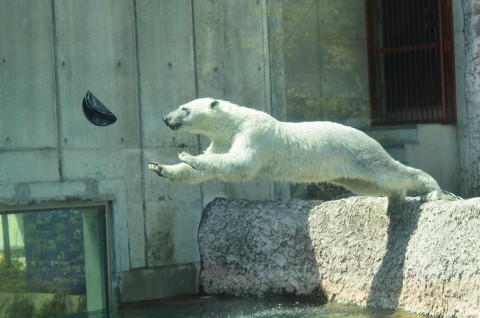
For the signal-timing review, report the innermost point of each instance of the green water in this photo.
(227, 307)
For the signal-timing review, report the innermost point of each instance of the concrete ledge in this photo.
(420, 257)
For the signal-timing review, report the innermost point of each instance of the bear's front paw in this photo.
(156, 167)
(188, 159)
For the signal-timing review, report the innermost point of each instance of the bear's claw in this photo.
(156, 167)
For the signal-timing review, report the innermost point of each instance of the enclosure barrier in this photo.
(420, 257)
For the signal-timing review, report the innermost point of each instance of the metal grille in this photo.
(411, 61)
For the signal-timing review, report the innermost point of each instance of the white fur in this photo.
(248, 143)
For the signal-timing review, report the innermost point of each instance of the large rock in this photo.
(420, 257)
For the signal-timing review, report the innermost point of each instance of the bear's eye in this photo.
(214, 104)
(185, 110)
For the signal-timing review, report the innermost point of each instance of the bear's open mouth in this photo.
(174, 126)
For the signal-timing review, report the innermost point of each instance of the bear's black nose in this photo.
(172, 124)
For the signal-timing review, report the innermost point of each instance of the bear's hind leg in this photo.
(424, 185)
(400, 179)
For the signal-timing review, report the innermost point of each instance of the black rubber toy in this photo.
(96, 112)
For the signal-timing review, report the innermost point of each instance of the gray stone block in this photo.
(423, 257)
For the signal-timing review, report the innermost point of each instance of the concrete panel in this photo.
(326, 61)
(172, 232)
(436, 154)
(159, 282)
(26, 75)
(29, 166)
(276, 45)
(58, 191)
(95, 164)
(341, 19)
(167, 79)
(301, 45)
(136, 234)
(231, 51)
(395, 135)
(233, 64)
(105, 164)
(458, 18)
(344, 70)
(95, 50)
(246, 54)
(116, 191)
(210, 44)
(7, 193)
(166, 63)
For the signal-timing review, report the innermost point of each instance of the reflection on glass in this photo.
(52, 262)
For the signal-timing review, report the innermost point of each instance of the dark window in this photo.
(411, 61)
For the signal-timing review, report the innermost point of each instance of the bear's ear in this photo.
(214, 104)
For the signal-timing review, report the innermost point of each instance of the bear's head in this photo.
(200, 116)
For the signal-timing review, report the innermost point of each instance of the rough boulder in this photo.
(422, 257)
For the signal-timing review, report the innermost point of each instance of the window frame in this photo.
(393, 99)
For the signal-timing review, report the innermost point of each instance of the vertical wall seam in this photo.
(194, 46)
(140, 133)
(195, 76)
(225, 48)
(267, 72)
(319, 40)
(58, 117)
(266, 58)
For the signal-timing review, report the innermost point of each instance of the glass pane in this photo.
(52, 262)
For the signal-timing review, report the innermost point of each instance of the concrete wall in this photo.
(470, 117)
(326, 66)
(436, 153)
(142, 59)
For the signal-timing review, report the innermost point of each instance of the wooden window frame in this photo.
(411, 61)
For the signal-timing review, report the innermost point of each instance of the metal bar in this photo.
(7, 255)
(393, 25)
(416, 40)
(431, 92)
(418, 47)
(451, 56)
(372, 79)
(405, 83)
(442, 66)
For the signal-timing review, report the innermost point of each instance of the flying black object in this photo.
(96, 112)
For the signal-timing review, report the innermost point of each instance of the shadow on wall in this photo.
(387, 283)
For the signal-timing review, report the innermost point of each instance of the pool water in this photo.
(229, 307)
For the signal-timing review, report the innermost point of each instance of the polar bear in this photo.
(248, 143)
